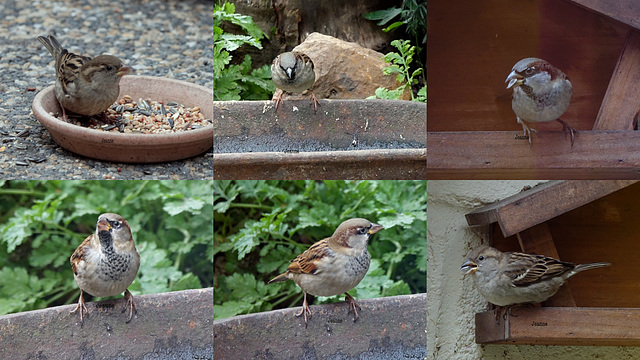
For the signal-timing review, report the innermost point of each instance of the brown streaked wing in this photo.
(526, 269)
(305, 262)
(78, 255)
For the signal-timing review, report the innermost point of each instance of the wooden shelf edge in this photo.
(561, 326)
(603, 154)
(619, 10)
(528, 208)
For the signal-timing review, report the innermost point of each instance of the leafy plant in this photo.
(43, 222)
(261, 225)
(413, 14)
(400, 65)
(235, 82)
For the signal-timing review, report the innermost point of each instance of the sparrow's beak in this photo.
(375, 228)
(469, 266)
(124, 70)
(514, 79)
(104, 225)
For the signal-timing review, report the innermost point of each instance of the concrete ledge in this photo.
(388, 328)
(175, 325)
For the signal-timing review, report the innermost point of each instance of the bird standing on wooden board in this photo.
(512, 278)
(541, 93)
(294, 72)
(84, 85)
(106, 262)
(334, 265)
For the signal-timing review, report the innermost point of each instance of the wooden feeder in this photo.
(581, 222)
(472, 130)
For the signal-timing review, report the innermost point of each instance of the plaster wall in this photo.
(452, 300)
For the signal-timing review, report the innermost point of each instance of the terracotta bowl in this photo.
(133, 148)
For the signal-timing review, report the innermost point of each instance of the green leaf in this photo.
(383, 15)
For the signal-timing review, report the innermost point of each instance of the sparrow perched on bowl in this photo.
(511, 278)
(334, 265)
(293, 72)
(541, 93)
(106, 262)
(84, 85)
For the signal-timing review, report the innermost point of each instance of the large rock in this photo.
(344, 70)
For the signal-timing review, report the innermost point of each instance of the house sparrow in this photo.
(293, 72)
(334, 265)
(83, 85)
(541, 93)
(106, 262)
(511, 278)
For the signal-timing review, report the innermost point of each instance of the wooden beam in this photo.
(541, 203)
(501, 155)
(619, 109)
(625, 11)
(560, 326)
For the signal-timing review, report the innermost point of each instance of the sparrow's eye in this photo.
(529, 71)
(109, 68)
(480, 257)
(116, 224)
(362, 230)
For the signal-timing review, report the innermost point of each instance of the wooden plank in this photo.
(501, 155)
(625, 11)
(619, 108)
(541, 203)
(538, 240)
(561, 326)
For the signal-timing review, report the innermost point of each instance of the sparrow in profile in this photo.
(84, 85)
(512, 278)
(334, 265)
(293, 72)
(106, 262)
(541, 93)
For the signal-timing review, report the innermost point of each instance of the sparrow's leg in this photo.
(526, 129)
(81, 307)
(305, 310)
(131, 304)
(567, 129)
(279, 99)
(64, 115)
(315, 102)
(352, 305)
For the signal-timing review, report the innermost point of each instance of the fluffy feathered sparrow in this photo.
(541, 93)
(84, 85)
(106, 262)
(334, 265)
(293, 72)
(511, 278)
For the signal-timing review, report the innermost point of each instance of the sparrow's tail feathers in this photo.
(583, 267)
(280, 278)
(51, 44)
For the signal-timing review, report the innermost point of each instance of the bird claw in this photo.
(81, 307)
(526, 129)
(305, 310)
(352, 305)
(316, 103)
(567, 129)
(130, 304)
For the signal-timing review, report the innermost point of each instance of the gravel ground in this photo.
(158, 38)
